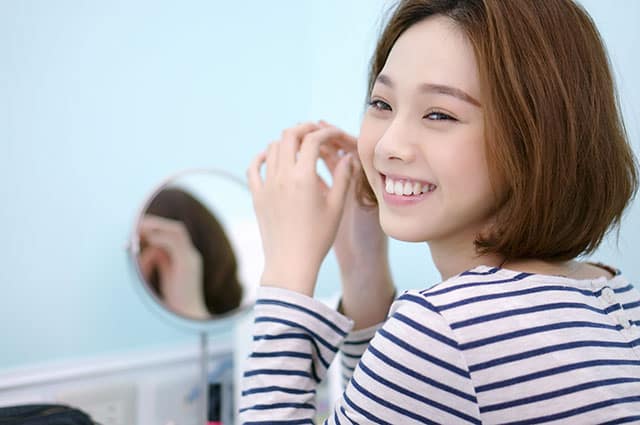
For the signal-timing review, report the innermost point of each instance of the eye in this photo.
(379, 105)
(439, 116)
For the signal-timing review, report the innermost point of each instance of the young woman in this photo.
(493, 134)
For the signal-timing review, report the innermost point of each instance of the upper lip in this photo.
(396, 177)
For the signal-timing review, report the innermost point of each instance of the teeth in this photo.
(389, 186)
(406, 187)
(398, 187)
(417, 188)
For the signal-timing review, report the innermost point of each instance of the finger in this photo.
(154, 224)
(347, 142)
(310, 149)
(167, 241)
(158, 229)
(341, 181)
(272, 160)
(146, 262)
(254, 178)
(291, 139)
(330, 155)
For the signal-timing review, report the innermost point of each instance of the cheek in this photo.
(367, 141)
(467, 170)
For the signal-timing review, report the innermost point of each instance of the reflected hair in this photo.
(222, 290)
(560, 164)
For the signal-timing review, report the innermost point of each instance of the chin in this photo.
(404, 231)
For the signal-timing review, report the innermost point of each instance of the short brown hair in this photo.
(559, 158)
(222, 291)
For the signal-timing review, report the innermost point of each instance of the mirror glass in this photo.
(196, 245)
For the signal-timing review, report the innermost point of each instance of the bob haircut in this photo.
(560, 164)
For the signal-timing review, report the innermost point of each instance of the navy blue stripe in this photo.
(576, 411)
(430, 292)
(282, 354)
(511, 294)
(550, 349)
(472, 273)
(363, 412)
(631, 305)
(554, 371)
(346, 366)
(556, 393)
(278, 406)
(624, 289)
(624, 420)
(352, 356)
(259, 390)
(304, 309)
(344, 412)
(391, 406)
(423, 355)
(335, 417)
(286, 422)
(424, 330)
(415, 396)
(297, 335)
(359, 342)
(267, 319)
(418, 300)
(522, 311)
(534, 330)
(423, 378)
(285, 372)
(614, 307)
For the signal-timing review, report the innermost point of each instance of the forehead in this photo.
(434, 51)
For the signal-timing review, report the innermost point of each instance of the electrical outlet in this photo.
(108, 404)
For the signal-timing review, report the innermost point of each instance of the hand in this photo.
(298, 213)
(169, 250)
(361, 248)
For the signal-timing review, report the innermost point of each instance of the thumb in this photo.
(341, 181)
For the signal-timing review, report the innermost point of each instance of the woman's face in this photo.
(422, 138)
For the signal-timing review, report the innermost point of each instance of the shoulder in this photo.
(481, 281)
(484, 290)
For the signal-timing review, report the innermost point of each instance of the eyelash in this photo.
(384, 106)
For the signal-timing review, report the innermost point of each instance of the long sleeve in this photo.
(295, 339)
(412, 371)
(352, 349)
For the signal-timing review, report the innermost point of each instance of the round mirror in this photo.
(196, 246)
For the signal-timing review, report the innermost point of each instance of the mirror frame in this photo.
(133, 249)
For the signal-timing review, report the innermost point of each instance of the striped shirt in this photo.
(487, 346)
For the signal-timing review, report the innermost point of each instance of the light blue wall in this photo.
(99, 100)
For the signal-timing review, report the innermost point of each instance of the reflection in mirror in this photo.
(196, 246)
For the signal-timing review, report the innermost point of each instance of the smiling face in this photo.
(422, 138)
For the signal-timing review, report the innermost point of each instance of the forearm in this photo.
(367, 294)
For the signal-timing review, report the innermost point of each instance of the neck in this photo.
(452, 257)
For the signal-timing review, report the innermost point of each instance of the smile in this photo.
(406, 187)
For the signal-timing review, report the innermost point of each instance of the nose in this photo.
(396, 143)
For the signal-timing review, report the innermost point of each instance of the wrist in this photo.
(293, 278)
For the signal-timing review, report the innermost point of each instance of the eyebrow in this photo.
(435, 88)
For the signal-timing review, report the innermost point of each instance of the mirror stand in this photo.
(204, 379)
